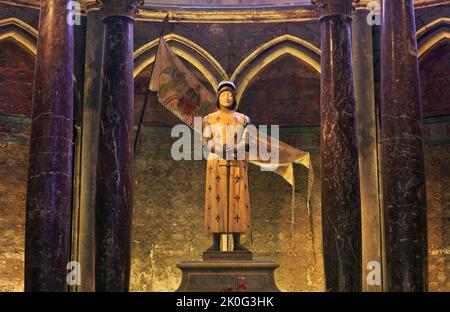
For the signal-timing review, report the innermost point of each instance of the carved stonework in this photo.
(126, 8)
(364, 4)
(328, 8)
(92, 6)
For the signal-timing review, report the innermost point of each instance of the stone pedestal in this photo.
(227, 256)
(228, 276)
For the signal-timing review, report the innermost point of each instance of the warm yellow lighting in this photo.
(31, 46)
(433, 40)
(433, 24)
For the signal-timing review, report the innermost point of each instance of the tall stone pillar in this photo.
(115, 149)
(48, 204)
(341, 213)
(367, 136)
(90, 126)
(403, 175)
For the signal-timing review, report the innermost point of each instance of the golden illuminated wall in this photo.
(437, 165)
(168, 224)
(13, 172)
(16, 78)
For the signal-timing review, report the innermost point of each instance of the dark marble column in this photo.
(115, 149)
(341, 213)
(47, 233)
(90, 126)
(403, 175)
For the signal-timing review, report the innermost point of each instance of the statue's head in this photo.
(226, 95)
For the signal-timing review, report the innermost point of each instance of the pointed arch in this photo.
(20, 31)
(20, 24)
(26, 35)
(432, 41)
(269, 52)
(437, 23)
(432, 34)
(186, 49)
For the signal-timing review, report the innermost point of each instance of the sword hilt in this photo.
(229, 165)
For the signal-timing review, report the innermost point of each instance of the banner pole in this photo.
(147, 92)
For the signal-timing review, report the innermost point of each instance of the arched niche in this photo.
(16, 78)
(16, 89)
(435, 79)
(285, 93)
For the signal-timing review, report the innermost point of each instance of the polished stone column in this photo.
(47, 233)
(341, 214)
(366, 124)
(403, 175)
(90, 126)
(115, 149)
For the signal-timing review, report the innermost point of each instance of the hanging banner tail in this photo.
(288, 155)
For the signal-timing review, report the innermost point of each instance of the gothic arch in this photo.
(186, 49)
(432, 34)
(19, 31)
(269, 52)
(26, 35)
(433, 52)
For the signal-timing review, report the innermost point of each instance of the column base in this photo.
(228, 276)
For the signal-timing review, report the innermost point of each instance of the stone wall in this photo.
(437, 165)
(16, 80)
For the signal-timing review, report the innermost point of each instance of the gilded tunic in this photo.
(219, 218)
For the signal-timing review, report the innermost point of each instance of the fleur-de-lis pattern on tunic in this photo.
(217, 218)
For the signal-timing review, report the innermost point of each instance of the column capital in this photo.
(327, 8)
(365, 4)
(92, 6)
(125, 8)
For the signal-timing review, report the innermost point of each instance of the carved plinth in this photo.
(227, 256)
(218, 276)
